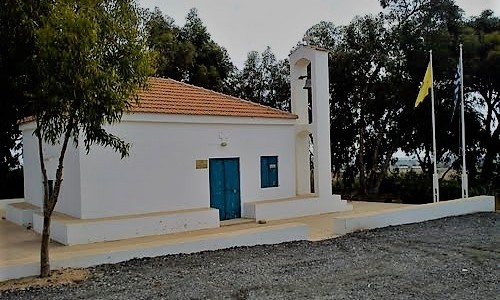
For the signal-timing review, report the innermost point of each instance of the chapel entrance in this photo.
(224, 176)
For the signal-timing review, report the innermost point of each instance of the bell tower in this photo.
(311, 103)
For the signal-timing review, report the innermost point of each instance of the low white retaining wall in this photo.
(246, 237)
(413, 214)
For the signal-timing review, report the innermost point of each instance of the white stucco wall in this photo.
(33, 192)
(69, 197)
(160, 173)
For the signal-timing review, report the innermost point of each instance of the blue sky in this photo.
(245, 25)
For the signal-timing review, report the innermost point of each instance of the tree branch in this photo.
(42, 168)
(59, 172)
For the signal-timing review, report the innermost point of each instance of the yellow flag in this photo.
(426, 85)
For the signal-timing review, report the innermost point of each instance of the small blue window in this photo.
(268, 171)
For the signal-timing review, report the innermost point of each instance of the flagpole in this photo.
(465, 187)
(435, 182)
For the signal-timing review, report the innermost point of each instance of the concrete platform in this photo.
(68, 230)
(19, 212)
(5, 202)
(19, 248)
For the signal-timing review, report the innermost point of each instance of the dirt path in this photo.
(452, 258)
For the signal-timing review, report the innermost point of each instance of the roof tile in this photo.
(169, 96)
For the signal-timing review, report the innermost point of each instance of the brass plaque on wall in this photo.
(201, 164)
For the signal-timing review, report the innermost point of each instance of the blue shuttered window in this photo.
(268, 171)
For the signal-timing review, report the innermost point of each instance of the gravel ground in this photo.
(451, 258)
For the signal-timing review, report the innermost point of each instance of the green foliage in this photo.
(188, 53)
(416, 188)
(17, 43)
(419, 26)
(481, 39)
(264, 80)
(439, 25)
(451, 189)
(480, 189)
(325, 35)
(410, 187)
(90, 61)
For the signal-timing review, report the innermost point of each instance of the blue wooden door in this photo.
(224, 179)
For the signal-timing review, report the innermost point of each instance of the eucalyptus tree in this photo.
(325, 35)
(328, 36)
(188, 53)
(212, 65)
(264, 80)
(90, 60)
(420, 26)
(280, 86)
(249, 83)
(481, 38)
(365, 113)
(375, 79)
(174, 56)
(439, 25)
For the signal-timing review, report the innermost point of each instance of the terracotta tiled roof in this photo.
(173, 97)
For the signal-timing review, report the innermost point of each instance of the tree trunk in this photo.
(44, 249)
(361, 158)
(363, 172)
(490, 139)
(373, 174)
(446, 172)
(425, 163)
(50, 200)
(383, 172)
(489, 158)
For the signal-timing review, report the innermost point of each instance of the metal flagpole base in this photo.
(465, 186)
(435, 188)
